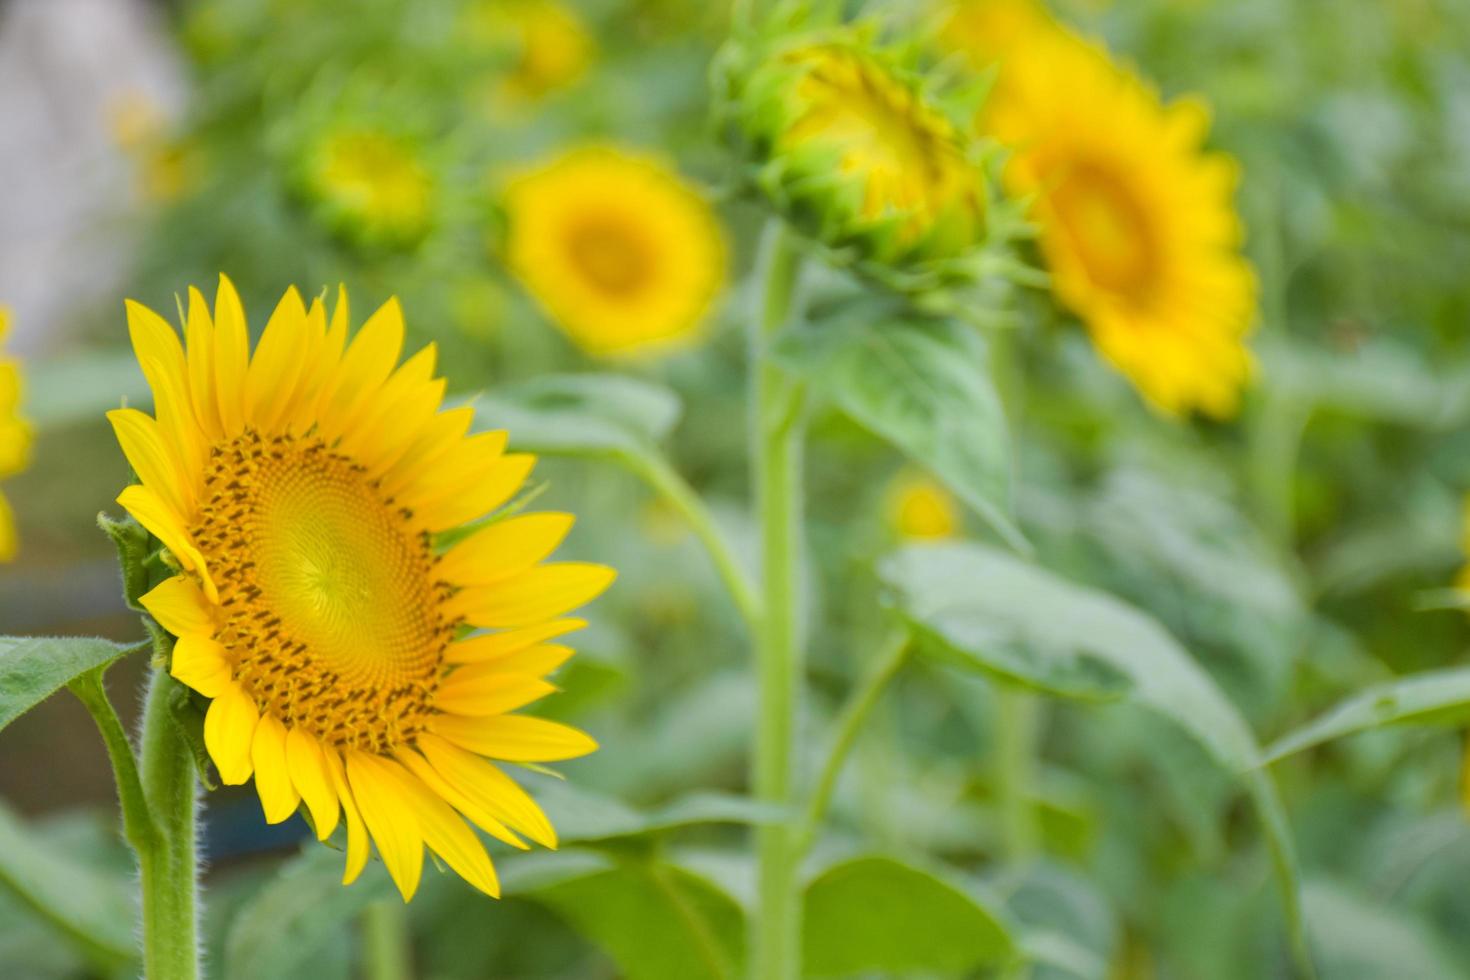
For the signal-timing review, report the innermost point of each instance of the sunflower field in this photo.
(734, 490)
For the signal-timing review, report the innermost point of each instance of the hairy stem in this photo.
(168, 864)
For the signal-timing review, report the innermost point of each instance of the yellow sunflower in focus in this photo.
(919, 509)
(371, 186)
(300, 491)
(620, 252)
(15, 438)
(1136, 220)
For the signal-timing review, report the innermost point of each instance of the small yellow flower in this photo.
(301, 490)
(371, 185)
(920, 509)
(550, 47)
(622, 254)
(1136, 221)
(15, 438)
(166, 168)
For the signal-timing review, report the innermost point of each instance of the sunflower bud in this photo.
(858, 153)
(368, 185)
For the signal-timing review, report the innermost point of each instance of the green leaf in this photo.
(923, 386)
(94, 910)
(1429, 698)
(590, 415)
(988, 611)
(878, 914)
(1358, 938)
(34, 668)
(1380, 380)
(82, 388)
(656, 920)
(580, 815)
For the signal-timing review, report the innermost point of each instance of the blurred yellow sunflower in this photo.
(1137, 224)
(919, 509)
(622, 254)
(371, 186)
(300, 490)
(549, 45)
(15, 438)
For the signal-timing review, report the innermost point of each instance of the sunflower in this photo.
(15, 438)
(852, 149)
(919, 509)
(622, 254)
(1136, 221)
(301, 491)
(551, 47)
(371, 186)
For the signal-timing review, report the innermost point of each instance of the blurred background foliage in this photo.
(1299, 553)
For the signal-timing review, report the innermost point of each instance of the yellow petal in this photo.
(537, 661)
(366, 365)
(152, 460)
(487, 787)
(161, 356)
(278, 798)
(8, 542)
(199, 348)
(456, 798)
(229, 729)
(481, 496)
(513, 738)
(465, 462)
(440, 435)
(231, 357)
(201, 663)
(472, 691)
(541, 593)
(493, 646)
(151, 512)
(311, 774)
(389, 818)
(357, 837)
(181, 608)
(448, 836)
(503, 549)
(280, 359)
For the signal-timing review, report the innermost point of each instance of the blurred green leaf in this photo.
(981, 608)
(581, 815)
(594, 415)
(876, 913)
(1433, 697)
(1358, 938)
(32, 668)
(656, 920)
(93, 909)
(922, 385)
(1065, 921)
(82, 388)
(1380, 380)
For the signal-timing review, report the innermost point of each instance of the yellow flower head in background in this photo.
(165, 167)
(550, 47)
(300, 490)
(1137, 225)
(15, 438)
(623, 254)
(371, 186)
(920, 509)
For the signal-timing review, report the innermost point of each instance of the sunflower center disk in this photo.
(332, 612)
(609, 255)
(1110, 231)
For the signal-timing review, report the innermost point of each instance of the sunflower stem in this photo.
(849, 724)
(776, 400)
(168, 865)
(387, 951)
(664, 480)
(1015, 756)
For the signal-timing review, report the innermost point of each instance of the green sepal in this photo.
(134, 549)
(185, 708)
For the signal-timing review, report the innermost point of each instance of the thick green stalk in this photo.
(388, 953)
(1015, 756)
(168, 864)
(776, 928)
